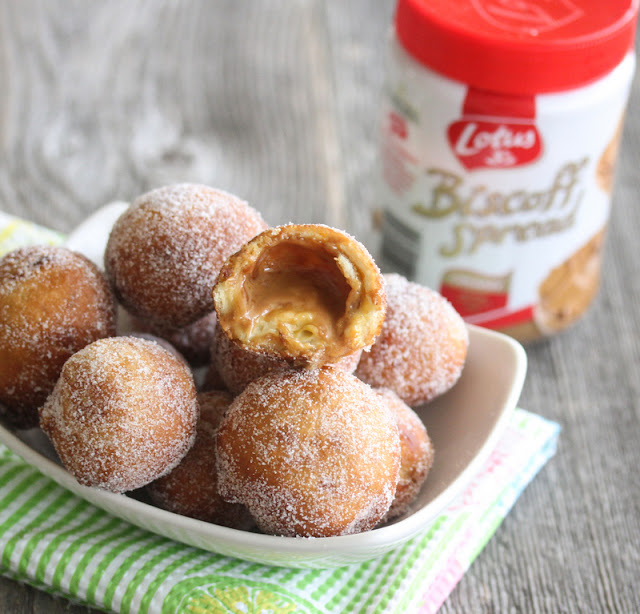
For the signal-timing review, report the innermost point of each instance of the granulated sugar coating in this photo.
(416, 452)
(423, 345)
(164, 253)
(191, 489)
(122, 414)
(237, 366)
(53, 302)
(311, 453)
(160, 341)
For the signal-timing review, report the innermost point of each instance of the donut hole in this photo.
(298, 295)
(307, 293)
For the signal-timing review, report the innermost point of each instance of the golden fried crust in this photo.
(122, 414)
(191, 489)
(307, 293)
(311, 453)
(53, 302)
(416, 452)
(422, 348)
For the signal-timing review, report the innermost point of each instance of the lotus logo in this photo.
(487, 143)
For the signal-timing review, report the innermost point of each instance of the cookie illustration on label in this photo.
(570, 287)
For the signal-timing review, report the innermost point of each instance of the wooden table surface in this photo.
(277, 101)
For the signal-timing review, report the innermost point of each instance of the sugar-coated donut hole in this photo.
(53, 302)
(165, 251)
(422, 348)
(123, 413)
(311, 453)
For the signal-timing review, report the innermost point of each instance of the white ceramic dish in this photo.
(464, 425)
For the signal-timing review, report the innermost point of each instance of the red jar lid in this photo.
(518, 46)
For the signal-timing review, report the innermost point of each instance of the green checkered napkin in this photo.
(57, 542)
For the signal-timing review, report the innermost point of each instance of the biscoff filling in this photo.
(297, 294)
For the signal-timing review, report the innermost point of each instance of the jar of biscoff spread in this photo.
(500, 128)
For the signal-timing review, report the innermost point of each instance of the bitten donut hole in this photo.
(305, 293)
(297, 294)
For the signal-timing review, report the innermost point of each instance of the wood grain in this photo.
(277, 101)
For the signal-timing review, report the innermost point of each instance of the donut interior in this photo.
(298, 294)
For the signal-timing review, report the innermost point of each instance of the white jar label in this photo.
(500, 203)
